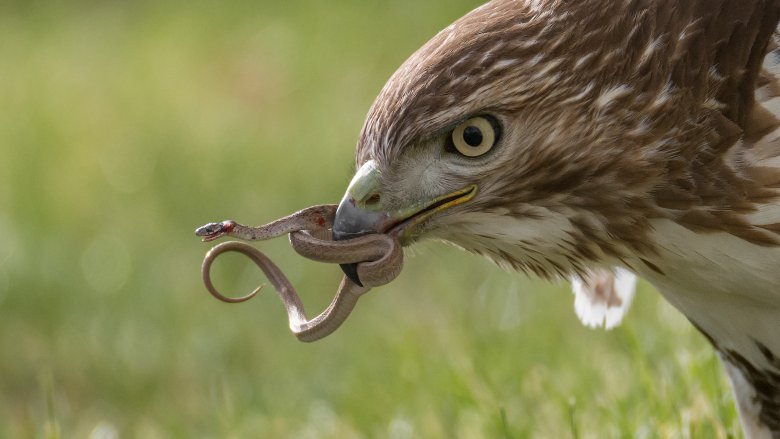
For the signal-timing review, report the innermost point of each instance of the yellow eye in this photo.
(474, 137)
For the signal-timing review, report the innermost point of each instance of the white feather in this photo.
(726, 285)
(596, 309)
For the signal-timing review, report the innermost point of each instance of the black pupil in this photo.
(472, 135)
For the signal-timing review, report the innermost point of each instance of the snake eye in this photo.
(475, 136)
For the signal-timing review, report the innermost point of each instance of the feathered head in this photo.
(546, 135)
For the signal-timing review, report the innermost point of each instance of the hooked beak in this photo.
(361, 211)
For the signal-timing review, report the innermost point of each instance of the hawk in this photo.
(598, 140)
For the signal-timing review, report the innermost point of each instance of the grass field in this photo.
(124, 125)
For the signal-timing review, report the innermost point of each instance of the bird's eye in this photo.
(475, 136)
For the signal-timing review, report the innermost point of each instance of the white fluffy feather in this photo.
(603, 297)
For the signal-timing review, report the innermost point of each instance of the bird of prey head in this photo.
(545, 135)
(578, 138)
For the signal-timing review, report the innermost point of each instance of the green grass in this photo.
(124, 125)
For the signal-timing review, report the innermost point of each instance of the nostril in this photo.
(373, 200)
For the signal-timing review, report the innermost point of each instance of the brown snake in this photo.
(379, 258)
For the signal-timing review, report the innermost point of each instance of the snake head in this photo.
(212, 231)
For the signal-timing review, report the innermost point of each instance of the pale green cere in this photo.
(125, 125)
(365, 183)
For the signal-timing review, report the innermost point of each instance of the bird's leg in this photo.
(313, 218)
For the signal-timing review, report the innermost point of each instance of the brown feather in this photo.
(632, 110)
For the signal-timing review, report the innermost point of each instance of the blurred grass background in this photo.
(124, 125)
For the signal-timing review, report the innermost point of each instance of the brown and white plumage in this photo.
(636, 136)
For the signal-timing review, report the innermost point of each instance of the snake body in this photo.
(379, 258)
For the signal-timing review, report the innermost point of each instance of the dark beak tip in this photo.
(339, 235)
(351, 222)
(350, 270)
